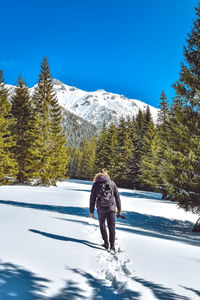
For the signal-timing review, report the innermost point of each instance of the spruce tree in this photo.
(163, 115)
(24, 132)
(141, 125)
(147, 117)
(163, 120)
(8, 165)
(74, 166)
(188, 85)
(87, 160)
(182, 166)
(124, 154)
(100, 156)
(150, 164)
(109, 150)
(106, 150)
(52, 145)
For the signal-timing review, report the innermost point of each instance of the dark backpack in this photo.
(105, 194)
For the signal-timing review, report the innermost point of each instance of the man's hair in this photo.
(103, 170)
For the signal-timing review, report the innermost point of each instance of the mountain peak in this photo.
(98, 106)
(57, 82)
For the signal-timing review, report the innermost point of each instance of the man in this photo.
(106, 211)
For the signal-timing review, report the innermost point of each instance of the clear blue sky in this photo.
(130, 47)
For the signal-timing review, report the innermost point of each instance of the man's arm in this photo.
(117, 198)
(92, 198)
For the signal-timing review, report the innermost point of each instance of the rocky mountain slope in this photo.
(84, 112)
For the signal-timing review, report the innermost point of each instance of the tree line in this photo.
(165, 157)
(32, 143)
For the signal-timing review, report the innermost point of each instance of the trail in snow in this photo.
(114, 271)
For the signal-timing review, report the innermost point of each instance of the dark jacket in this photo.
(93, 195)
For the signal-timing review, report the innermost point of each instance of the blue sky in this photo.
(130, 47)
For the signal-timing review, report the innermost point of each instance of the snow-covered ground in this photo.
(50, 248)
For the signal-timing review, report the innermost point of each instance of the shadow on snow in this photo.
(70, 210)
(154, 226)
(192, 290)
(134, 194)
(17, 283)
(21, 284)
(66, 239)
(101, 291)
(160, 291)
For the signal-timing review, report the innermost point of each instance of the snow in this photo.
(91, 105)
(50, 248)
(96, 106)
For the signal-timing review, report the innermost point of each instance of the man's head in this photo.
(104, 171)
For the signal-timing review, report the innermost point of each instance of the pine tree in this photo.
(100, 156)
(181, 171)
(109, 150)
(150, 163)
(147, 117)
(8, 166)
(141, 125)
(23, 131)
(52, 145)
(74, 166)
(188, 85)
(106, 150)
(92, 146)
(87, 160)
(124, 154)
(163, 115)
(163, 122)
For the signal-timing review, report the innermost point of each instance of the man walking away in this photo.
(105, 195)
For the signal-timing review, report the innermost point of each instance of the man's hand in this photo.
(119, 215)
(92, 216)
(119, 212)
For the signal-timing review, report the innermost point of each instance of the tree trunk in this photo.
(197, 226)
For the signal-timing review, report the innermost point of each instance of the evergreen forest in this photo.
(139, 154)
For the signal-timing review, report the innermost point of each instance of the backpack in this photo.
(105, 194)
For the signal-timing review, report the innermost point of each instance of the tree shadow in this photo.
(71, 291)
(66, 239)
(161, 227)
(134, 194)
(80, 181)
(156, 227)
(79, 190)
(192, 290)
(148, 225)
(101, 291)
(160, 292)
(70, 210)
(18, 283)
(141, 194)
(76, 221)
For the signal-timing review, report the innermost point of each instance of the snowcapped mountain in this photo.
(95, 107)
(84, 112)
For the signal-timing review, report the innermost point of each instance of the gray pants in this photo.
(110, 217)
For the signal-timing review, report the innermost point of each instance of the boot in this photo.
(105, 245)
(112, 249)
